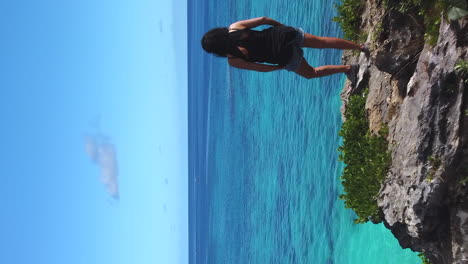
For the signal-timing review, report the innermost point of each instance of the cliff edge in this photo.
(415, 91)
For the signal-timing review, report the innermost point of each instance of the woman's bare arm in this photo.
(242, 64)
(254, 22)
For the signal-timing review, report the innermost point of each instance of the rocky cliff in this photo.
(414, 89)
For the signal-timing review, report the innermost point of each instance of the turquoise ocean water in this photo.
(264, 174)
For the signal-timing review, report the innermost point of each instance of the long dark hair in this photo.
(220, 42)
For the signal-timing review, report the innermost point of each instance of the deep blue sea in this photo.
(263, 162)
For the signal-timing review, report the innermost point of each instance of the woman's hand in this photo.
(269, 21)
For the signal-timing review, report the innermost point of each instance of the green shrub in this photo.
(367, 160)
(461, 68)
(349, 17)
(424, 259)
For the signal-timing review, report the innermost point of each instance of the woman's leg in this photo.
(307, 71)
(312, 41)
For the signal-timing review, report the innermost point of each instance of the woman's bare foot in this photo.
(365, 49)
(352, 74)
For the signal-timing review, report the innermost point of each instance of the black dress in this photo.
(272, 45)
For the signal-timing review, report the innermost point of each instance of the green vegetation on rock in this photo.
(456, 9)
(367, 161)
(424, 259)
(349, 17)
(435, 163)
(349, 14)
(461, 68)
(430, 11)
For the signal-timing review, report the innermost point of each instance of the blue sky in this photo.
(93, 108)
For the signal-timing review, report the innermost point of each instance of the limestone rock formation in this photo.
(414, 89)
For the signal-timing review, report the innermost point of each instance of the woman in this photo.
(280, 46)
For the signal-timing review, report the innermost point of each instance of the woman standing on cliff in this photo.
(280, 46)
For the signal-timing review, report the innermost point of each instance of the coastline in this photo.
(415, 91)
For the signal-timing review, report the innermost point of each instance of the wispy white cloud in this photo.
(103, 154)
(160, 26)
(159, 147)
